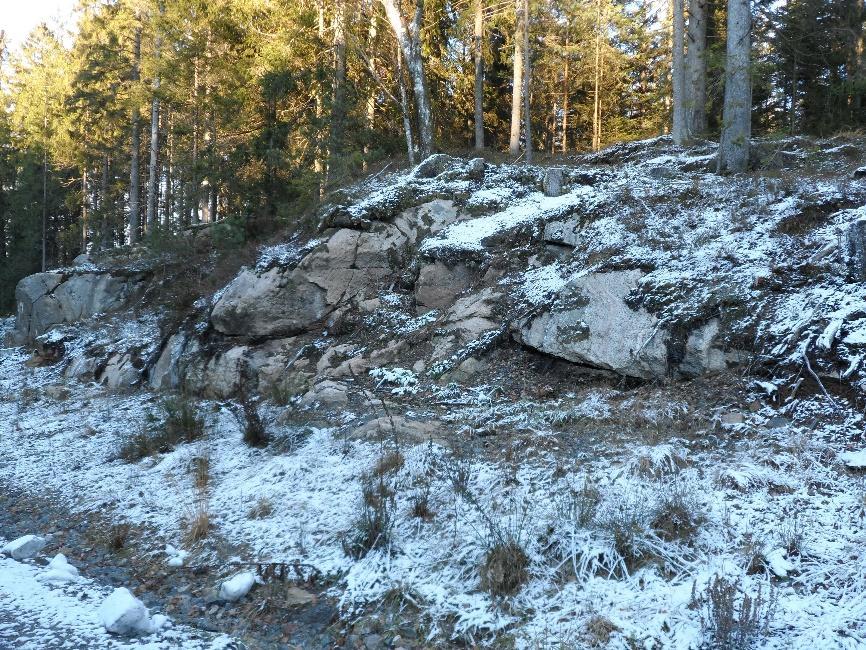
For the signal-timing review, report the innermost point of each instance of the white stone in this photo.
(24, 547)
(59, 571)
(123, 613)
(237, 586)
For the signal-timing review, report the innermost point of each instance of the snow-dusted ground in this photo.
(37, 615)
(754, 486)
(776, 504)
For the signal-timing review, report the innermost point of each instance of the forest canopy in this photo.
(162, 114)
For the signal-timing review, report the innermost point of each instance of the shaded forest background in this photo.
(157, 116)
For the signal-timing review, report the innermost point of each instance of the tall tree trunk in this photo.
(319, 162)
(134, 190)
(85, 200)
(680, 129)
(737, 115)
(338, 104)
(404, 109)
(168, 200)
(44, 208)
(372, 32)
(478, 47)
(596, 109)
(103, 202)
(565, 100)
(409, 40)
(527, 77)
(194, 216)
(517, 83)
(696, 64)
(151, 215)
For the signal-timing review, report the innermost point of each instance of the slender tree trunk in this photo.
(151, 214)
(85, 224)
(565, 99)
(194, 216)
(795, 85)
(103, 201)
(44, 208)
(372, 32)
(478, 50)
(596, 109)
(338, 105)
(319, 162)
(134, 190)
(527, 77)
(517, 82)
(168, 205)
(680, 129)
(696, 64)
(737, 116)
(404, 109)
(409, 40)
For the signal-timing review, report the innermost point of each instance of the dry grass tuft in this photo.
(117, 536)
(389, 463)
(198, 521)
(505, 568)
(262, 509)
(599, 629)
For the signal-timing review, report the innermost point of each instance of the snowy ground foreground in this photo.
(35, 615)
(754, 485)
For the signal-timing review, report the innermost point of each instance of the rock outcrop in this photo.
(48, 299)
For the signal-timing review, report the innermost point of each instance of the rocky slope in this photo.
(629, 321)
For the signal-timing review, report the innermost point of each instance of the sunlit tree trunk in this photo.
(134, 188)
(737, 116)
(404, 109)
(517, 83)
(319, 162)
(478, 51)
(564, 142)
(338, 104)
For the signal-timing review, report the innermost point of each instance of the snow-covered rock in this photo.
(25, 547)
(237, 586)
(124, 614)
(778, 563)
(176, 556)
(59, 571)
(854, 459)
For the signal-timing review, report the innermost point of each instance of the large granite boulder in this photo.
(590, 323)
(48, 299)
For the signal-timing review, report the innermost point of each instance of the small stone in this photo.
(373, 642)
(733, 417)
(297, 596)
(24, 547)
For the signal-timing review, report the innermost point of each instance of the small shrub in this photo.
(678, 514)
(372, 527)
(599, 629)
(181, 423)
(262, 509)
(201, 472)
(731, 622)
(255, 434)
(117, 536)
(505, 568)
(388, 463)
(791, 538)
(585, 502)
(421, 505)
(625, 520)
(198, 520)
